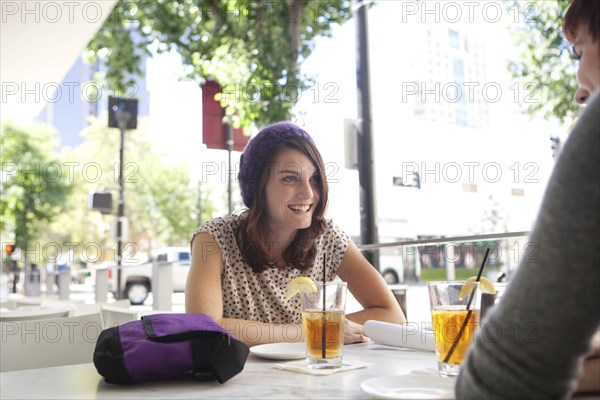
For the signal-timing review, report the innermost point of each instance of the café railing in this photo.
(162, 286)
(448, 244)
(441, 240)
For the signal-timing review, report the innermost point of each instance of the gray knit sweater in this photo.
(536, 338)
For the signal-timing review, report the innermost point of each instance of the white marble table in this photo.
(26, 313)
(259, 379)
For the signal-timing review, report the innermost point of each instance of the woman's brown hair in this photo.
(253, 233)
(582, 13)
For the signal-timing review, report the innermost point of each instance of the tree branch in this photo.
(294, 30)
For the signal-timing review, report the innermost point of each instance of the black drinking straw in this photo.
(469, 311)
(323, 328)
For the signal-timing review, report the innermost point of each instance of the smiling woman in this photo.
(242, 263)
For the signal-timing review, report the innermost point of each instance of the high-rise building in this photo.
(449, 71)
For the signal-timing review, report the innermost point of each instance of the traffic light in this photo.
(9, 248)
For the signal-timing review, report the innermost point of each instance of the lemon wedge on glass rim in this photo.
(485, 285)
(300, 284)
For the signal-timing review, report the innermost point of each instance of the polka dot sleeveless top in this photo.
(261, 296)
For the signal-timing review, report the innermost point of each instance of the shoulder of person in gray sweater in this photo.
(534, 341)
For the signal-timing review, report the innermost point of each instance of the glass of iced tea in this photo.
(323, 323)
(455, 313)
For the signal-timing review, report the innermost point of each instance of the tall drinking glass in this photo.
(323, 323)
(488, 300)
(454, 325)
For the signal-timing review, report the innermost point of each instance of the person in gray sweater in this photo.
(538, 341)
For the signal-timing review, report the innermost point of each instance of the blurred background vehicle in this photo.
(136, 280)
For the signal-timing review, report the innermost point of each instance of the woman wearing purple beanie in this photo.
(242, 263)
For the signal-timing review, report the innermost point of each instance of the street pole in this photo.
(229, 145)
(200, 202)
(122, 117)
(368, 229)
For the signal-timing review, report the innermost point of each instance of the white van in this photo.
(136, 280)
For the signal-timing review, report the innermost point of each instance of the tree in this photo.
(252, 48)
(33, 186)
(545, 69)
(164, 200)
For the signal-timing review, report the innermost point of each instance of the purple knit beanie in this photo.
(259, 150)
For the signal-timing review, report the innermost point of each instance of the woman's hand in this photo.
(353, 332)
(588, 380)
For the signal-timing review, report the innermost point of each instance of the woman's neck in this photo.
(277, 245)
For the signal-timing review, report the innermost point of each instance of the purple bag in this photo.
(161, 346)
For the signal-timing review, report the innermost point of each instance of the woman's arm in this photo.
(369, 288)
(203, 286)
(549, 311)
(203, 295)
(589, 379)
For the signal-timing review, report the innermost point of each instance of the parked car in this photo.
(136, 280)
(400, 266)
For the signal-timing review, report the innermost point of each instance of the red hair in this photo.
(582, 13)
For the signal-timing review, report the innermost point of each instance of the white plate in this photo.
(280, 351)
(411, 386)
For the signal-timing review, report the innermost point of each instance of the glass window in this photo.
(453, 38)
(459, 70)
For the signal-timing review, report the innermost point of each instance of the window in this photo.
(458, 66)
(453, 38)
(461, 113)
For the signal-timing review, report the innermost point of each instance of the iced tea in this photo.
(447, 321)
(313, 321)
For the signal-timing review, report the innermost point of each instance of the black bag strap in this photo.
(222, 354)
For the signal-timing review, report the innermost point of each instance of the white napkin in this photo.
(302, 367)
(410, 335)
